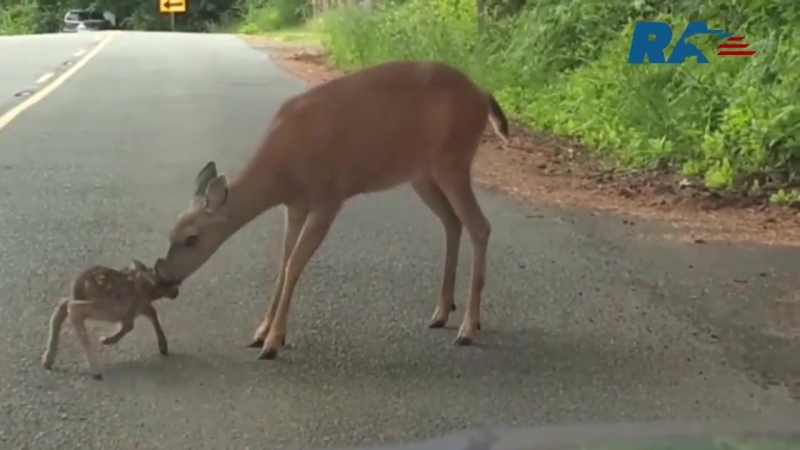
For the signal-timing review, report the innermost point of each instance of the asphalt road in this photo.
(24, 60)
(585, 319)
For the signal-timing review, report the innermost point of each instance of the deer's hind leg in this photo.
(437, 202)
(454, 179)
(79, 311)
(57, 318)
(295, 217)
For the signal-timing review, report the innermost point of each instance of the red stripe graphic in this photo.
(735, 53)
(732, 46)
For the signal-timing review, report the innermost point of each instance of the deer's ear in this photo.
(204, 177)
(216, 194)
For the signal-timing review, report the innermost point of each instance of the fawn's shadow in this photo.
(165, 370)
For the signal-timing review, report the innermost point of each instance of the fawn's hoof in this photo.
(163, 351)
(453, 307)
(105, 340)
(268, 353)
(97, 376)
(463, 341)
(47, 364)
(257, 343)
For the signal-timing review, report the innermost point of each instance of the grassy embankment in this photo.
(561, 66)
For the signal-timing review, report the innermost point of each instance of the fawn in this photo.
(109, 295)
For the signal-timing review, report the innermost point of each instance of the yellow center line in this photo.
(6, 118)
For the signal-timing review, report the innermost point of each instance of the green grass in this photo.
(282, 19)
(19, 18)
(561, 66)
(307, 33)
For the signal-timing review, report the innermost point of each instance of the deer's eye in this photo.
(191, 240)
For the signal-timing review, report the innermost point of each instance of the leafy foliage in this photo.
(561, 65)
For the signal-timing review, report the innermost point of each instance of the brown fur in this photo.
(109, 295)
(417, 122)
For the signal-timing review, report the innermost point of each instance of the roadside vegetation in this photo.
(559, 66)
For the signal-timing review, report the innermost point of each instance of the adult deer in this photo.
(417, 122)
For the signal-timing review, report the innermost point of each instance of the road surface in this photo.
(28, 62)
(585, 319)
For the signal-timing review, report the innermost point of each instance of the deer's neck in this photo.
(250, 194)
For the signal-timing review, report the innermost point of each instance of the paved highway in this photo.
(29, 62)
(585, 319)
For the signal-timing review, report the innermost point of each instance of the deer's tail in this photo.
(56, 321)
(497, 117)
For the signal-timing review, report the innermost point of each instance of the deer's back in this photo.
(373, 129)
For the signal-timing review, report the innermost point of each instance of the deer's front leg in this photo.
(125, 327)
(314, 230)
(295, 218)
(150, 312)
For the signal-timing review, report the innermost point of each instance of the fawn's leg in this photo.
(57, 319)
(295, 216)
(456, 183)
(125, 327)
(437, 202)
(150, 312)
(314, 230)
(78, 315)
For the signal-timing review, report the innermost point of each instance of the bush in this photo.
(561, 66)
(258, 16)
(18, 18)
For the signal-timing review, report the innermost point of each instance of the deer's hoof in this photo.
(453, 307)
(437, 323)
(268, 353)
(463, 341)
(257, 343)
(97, 376)
(163, 351)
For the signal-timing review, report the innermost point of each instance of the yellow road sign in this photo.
(172, 6)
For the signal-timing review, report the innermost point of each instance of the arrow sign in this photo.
(172, 6)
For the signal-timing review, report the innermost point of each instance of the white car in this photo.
(82, 20)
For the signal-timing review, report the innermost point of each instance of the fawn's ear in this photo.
(216, 193)
(138, 265)
(204, 177)
(144, 271)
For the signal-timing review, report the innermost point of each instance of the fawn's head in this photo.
(200, 229)
(151, 281)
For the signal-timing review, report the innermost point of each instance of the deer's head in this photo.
(200, 229)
